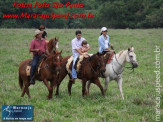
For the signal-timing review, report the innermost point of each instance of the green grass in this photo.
(138, 87)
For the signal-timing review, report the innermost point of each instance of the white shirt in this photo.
(106, 44)
(76, 44)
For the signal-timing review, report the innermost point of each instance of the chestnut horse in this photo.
(52, 45)
(90, 69)
(49, 68)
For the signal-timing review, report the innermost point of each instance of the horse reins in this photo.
(130, 68)
(47, 66)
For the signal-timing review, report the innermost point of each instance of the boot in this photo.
(72, 80)
(32, 81)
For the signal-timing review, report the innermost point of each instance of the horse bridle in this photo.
(47, 66)
(130, 68)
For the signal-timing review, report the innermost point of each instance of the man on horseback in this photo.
(76, 45)
(37, 47)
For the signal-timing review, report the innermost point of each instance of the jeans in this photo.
(74, 74)
(34, 64)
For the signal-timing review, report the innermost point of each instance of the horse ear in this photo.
(128, 49)
(99, 54)
(132, 49)
(60, 52)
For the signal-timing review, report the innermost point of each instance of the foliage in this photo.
(110, 13)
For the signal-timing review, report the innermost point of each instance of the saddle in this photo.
(28, 68)
(110, 58)
(81, 60)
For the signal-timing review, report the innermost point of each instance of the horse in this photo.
(48, 69)
(115, 68)
(90, 69)
(52, 45)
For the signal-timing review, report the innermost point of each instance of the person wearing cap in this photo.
(44, 34)
(76, 45)
(104, 41)
(38, 47)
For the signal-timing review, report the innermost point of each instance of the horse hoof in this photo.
(105, 90)
(86, 93)
(49, 98)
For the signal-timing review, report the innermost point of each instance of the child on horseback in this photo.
(85, 47)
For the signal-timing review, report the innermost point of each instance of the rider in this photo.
(44, 34)
(104, 41)
(84, 47)
(38, 46)
(76, 45)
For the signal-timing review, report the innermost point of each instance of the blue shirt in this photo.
(102, 43)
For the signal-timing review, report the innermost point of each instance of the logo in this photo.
(17, 112)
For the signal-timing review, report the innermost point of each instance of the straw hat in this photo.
(37, 32)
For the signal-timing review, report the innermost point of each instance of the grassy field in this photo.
(138, 87)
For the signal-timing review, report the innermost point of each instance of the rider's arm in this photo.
(47, 52)
(32, 47)
(34, 50)
(88, 47)
(79, 51)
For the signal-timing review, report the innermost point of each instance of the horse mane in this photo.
(120, 53)
(92, 57)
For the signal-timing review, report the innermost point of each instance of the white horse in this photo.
(115, 68)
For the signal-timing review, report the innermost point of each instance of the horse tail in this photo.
(20, 82)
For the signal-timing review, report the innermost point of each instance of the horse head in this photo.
(53, 45)
(55, 60)
(100, 62)
(131, 57)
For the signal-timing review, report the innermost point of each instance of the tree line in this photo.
(109, 13)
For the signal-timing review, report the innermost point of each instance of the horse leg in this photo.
(69, 87)
(47, 85)
(59, 80)
(88, 86)
(27, 90)
(119, 81)
(84, 87)
(106, 84)
(22, 95)
(51, 91)
(97, 82)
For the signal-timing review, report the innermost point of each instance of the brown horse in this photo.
(52, 45)
(90, 69)
(49, 68)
